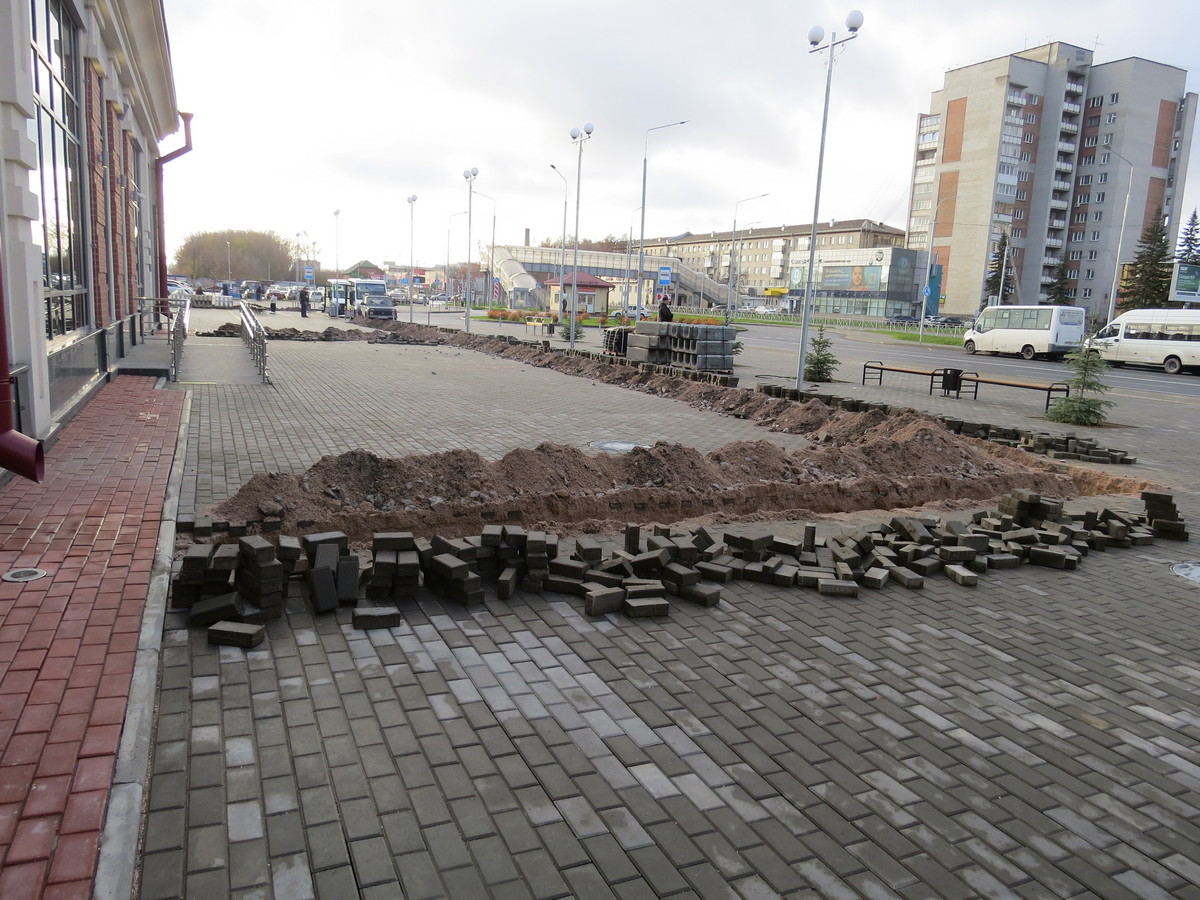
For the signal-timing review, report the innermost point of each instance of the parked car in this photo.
(765, 310)
(902, 320)
(376, 306)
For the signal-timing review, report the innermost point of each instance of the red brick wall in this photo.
(93, 136)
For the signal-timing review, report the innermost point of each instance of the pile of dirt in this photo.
(862, 461)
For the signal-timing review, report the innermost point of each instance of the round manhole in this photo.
(24, 575)
(616, 446)
(1188, 570)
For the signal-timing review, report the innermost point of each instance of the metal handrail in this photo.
(254, 333)
(177, 334)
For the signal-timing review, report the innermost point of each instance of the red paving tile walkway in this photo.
(68, 641)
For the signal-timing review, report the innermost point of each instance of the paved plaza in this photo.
(1034, 736)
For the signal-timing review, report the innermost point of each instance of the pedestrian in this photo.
(664, 311)
(272, 296)
(304, 303)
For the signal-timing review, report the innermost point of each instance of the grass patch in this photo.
(947, 340)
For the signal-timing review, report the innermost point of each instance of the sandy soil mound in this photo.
(860, 461)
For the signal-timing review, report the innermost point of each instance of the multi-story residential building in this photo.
(1070, 159)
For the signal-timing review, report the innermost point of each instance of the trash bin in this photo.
(951, 381)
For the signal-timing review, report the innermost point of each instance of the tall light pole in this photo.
(628, 265)
(562, 256)
(228, 261)
(412, 202)
(732, 250)
(1112, 295)
(929, 267)
(449, 221)
(577, 138)
(815, 35)
(469, 175)
(642, 239)
(337, 265)
(492, 256)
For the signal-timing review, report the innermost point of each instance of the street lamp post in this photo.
(1112, 295)
(929, 266)
(412, 202)
(492, 254)
(562, 247)
(815, 35)
(732, 250)
(642, 239)
(337, 265)
(449, 220)
(577, 138)
(469, 175)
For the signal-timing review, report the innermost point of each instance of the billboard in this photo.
(1186, 284)
(850, 278)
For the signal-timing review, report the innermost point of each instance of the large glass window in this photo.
(58, 182)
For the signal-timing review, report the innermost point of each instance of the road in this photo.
(773, 350)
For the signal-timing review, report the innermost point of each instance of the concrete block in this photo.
(367, 617)
(322, 590)
(702, 594)
(835, 587)
(645, 607)
(603, 601)
(257, 548)
(210, 610)
(236, 634)
(874, 578)
(961, 575)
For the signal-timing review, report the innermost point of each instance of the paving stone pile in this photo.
(653, 568)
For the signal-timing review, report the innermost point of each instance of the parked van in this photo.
(1049, 331)
(1152, 337)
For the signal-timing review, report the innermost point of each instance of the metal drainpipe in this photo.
(158, 190)
(19, 452)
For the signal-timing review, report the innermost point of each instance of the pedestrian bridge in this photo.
(523, 270)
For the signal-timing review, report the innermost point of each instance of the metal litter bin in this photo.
(951, 381)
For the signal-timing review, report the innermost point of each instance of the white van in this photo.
(1049, 331)
(1152, 337)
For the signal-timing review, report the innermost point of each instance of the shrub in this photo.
(1083, 406)
(820, 364)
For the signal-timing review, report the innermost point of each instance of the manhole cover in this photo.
(1188, 570)
(24, 575)
(615, 446)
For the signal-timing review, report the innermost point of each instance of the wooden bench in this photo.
(958, 382)
(539, 324)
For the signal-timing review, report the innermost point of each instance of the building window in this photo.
(1092, 122)
(1080, 218)
(1076, 237)
(1083, 180)
(1083, 199)
(1104, 158)
(1093, 254)
(1095, 235)
(60, 173)
(1100, 196)
(1022, 196)
(1087, 160)
(1087, 293)
(1097, 216)
(1018, 232)
(1018, 214)
(1095, 102)
(1108, 139)
(1076, 255)
(1031, 118)
(1089, 274)
(1026, 156)
(1027, 138)
(1072, 273)
(1112, 117)
(1113, 98)
(1102, 178)
(1034, 99)
(1089, 141)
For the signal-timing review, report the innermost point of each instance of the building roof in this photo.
(833, 226)
(586, 279)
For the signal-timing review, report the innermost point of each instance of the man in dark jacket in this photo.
(664, 312)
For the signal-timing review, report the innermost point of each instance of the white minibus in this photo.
(1152, 337)
(1049, 331)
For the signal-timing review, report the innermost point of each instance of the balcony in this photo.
(1057, 223)
(1054, 243)
(1048, 279)
(1066, 146)
(1072, 108)
(1015, 99)
(1061, 185)
(1068, 127)
(1014, 119)
(1055, 203)
(1074, 87)
(1064, 165)
(1050, 261)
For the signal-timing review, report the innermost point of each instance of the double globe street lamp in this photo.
(577, 137)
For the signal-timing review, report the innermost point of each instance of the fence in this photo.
(177, 334)
(255, 337)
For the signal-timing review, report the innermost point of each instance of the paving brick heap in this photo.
(654, 567)
(704, 348)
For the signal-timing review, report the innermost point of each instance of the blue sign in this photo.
(926, 291)
(308, 272)
(664, 274)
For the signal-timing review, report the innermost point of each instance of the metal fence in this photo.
(255, 336)
(177, 334)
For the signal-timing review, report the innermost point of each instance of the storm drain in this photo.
(1188, 570)
(615, 446)
(24, 575)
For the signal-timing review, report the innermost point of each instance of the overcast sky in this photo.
(308, 107)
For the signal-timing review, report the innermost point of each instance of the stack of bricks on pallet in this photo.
(706, 348)
(1163, 516)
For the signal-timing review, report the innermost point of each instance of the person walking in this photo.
(664, 311)
(304, 302)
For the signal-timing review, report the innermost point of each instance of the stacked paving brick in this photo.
(652, 569)
(704, 348)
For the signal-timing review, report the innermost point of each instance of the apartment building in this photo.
(1069, 158)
